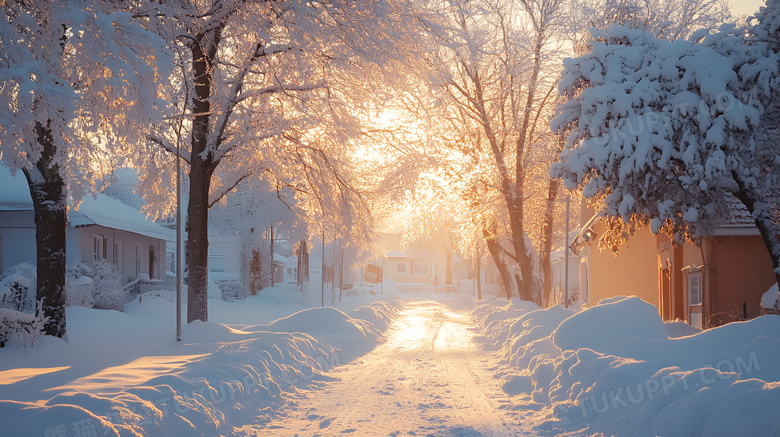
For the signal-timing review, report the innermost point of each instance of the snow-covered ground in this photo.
(422, 365)
(617, 369)
(122, 373)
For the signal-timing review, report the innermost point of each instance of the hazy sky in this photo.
(745, 7)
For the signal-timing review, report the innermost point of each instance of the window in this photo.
(289, 271)
(98, 247)
(694, 288)
(137, 259)
(401, 268)
(420, 269)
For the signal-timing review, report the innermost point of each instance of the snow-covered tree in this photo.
(663, 133)
(259, 91)
(669, 19)
(494, 67)
(76, 78)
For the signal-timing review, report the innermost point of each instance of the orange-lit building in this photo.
(720, 281)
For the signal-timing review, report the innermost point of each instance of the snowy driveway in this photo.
(430, 377)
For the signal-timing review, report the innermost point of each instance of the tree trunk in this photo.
(495, 251)
(547, 239)
(198, 243)
(479, 274)
(48, 192)
(448, 268)
(202, 167)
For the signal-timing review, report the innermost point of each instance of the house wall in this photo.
(290, 272)
(408, 275)
(17, 239)
(225, 253)
(132, 257)
(633, 272)
(558, 270)
(741, 271)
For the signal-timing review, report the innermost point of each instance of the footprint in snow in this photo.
(325, 423)
(347, 431)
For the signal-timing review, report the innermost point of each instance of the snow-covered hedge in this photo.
(20, 329)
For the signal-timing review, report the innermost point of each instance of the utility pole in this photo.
(323, 268)
(178, 238)
(566, 259)
(273, 267)
(341, 270)
(333, 280)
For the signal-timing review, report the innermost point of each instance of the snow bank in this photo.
(617, 369)
(121, 374)
(769, 298)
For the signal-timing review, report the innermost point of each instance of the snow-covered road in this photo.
(430, 377)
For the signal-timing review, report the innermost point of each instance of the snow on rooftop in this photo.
(111, 213)
(15, 193)
(99, 210)
(285, 260)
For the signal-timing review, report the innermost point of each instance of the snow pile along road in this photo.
(219, 379)
(618, 369)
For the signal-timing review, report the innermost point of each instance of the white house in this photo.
(225, 253)
(102, 228)
(559, 273)
(285, 268)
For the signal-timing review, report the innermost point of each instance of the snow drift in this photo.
(617, 369)
(219, 376)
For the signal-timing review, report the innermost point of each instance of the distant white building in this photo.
(102, 228)
(225, 253)
(285, 268)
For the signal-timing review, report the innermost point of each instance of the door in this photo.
(152, 262)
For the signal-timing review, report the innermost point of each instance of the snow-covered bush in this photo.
(24, 275)
(107, 290)
(14, 292)
(447, 288)
(78, 291)
(21, 329)
(232, 290)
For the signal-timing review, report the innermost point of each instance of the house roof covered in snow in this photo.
(738, 221)
(288, 261)
(99, 210)
(15, 193)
